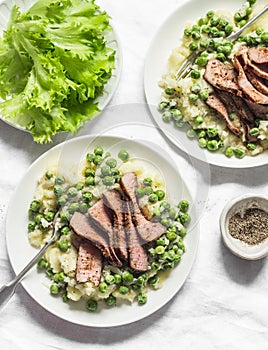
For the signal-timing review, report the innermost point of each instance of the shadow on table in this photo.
(240, 270)
(90, 335)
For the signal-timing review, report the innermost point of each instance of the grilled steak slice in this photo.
(112, 199)
(98, 213)
(89, 263)
(248, 89)
(260, 111)
(258, 55)
(215, 103)
(82, 227)
(147, 230)
(258, 69)
(221, 77)
(138, 258)
(257, 82)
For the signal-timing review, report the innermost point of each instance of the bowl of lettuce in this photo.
(59, 65)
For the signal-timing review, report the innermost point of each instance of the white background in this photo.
(224, 302)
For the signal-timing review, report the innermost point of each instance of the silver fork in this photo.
(185, 68)
(8, 289)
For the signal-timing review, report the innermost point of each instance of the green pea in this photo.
(89, 172)
(65, 297)
(264, 37)
(148, 190)
(87, 196)
(167, 116)
(184, 205)
(109, 279)
(63, 246)
(98, 151)
(90, 157)
(97, 159)
(215, 33)
(229, 152)
(59, 180)
(38, 218)
(165, 206)
(242, 23)
(187, 32)
(106, 170)
(249, 11)
(169, 91)
(196, 35)
(123, 290)
(254, 132)
(160, 194)
(159, 250)
(251, 2)
(111, 300)
(92, 305)
(31, 225)
(123, 155)
(54, 289)
(73, 207)
(205, 29)
(212, 145)
(212, 132)
(153, 280)
(251, 146)
(239, 152)
(172, 214)
(90, 181)
(117, 278)
(103, 287)
(111, 162)
(191, 133)
(210, 14)
(214, 21)
(140, 192)
(196, 88)
(204, 95)
(142, 298)
(202, 142)
(42, 264)
(198, 120)
(108, 180)
(193, 97)
(153, 198)
(176, 114)
(79, 186)
(195, 74)
(62, 199)
(83, 207)
(193, 46)
(161, 241)
(127, 277)
(203, 44)
(147, 181)
(48, 175)
(221, 56)
(182, 232)
(58, 190)
(65, 230)
(155, 265)
(237, 17)
(35, 206)
(202, 21)
(228, 29)
(49, 216)
(171, 235)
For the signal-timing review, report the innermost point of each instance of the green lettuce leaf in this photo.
(54, 63)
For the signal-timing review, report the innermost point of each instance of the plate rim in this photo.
(205, 155)
(195, 232)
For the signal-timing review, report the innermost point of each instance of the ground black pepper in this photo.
(250, 227)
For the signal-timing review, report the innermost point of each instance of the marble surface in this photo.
(223, 303)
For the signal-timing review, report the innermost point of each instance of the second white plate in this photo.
(166, 39)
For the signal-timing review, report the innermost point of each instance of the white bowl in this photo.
(238, 247)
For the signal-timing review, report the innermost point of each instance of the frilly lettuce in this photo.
(54, 63)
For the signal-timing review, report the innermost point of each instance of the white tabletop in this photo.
(223, 303)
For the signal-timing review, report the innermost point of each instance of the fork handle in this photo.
(8, 289)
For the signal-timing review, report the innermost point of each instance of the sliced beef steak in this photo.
(257, 82)
(248, 89)
(83, 228)
(112, 200)
(260, 111)
(215, 103)
(147, 230)
(260, 70)
(258, 55)
(221, 77)
(138, 258)
(89, 263)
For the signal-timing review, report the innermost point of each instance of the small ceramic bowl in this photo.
(238, 247)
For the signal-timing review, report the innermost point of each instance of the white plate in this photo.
(112, 41)
(166, 39)
(66, 156)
